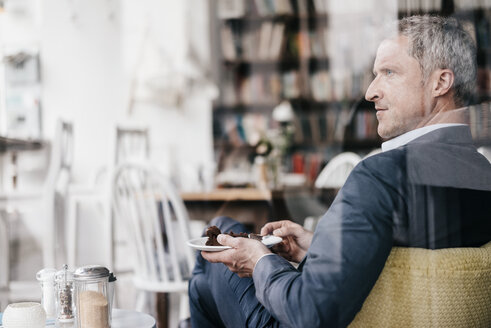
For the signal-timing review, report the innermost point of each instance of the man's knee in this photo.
(198, 284)
(221, 221)
(226, 224)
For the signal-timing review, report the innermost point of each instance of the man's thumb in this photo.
(225, 240)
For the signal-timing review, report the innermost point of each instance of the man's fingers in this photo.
(227, 240)
(271, 226)
(287, 230)
(216, 257)
(210, 256)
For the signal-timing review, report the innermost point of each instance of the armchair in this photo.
(431, 288)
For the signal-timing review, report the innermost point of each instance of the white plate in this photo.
(200, 243)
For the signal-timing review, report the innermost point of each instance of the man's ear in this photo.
(444, 79)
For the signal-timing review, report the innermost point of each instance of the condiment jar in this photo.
(64, 295)
(46, 278)
(91, 297)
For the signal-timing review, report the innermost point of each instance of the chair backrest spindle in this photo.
(146, 202)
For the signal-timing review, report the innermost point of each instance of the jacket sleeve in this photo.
(350, 246)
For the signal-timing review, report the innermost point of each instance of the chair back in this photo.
(132, 144)
(431, 288)
(158, 224)
(335, 173)
(55, 191)
(4, 253)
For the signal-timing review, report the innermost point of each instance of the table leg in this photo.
(162, 310)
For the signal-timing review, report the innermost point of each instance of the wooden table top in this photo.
(232, 194)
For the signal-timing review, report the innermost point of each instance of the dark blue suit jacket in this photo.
(434, 192)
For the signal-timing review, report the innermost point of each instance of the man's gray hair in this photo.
(439, 42)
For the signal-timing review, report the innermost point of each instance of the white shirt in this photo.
(413, 134)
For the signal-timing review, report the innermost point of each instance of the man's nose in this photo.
(373, 92)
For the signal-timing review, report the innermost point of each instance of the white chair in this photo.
(372, 152)
(146, 203)
(4, 253)
(335, 173)
(130, 143)
(333, 176)
(486, 152)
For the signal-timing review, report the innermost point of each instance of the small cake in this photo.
(213, 232)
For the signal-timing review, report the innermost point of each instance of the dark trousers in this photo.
(220, 298)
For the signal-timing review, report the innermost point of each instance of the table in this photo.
(252, 207)
(14, 144)
(121, 319)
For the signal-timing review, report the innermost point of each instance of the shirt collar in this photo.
(413, 134)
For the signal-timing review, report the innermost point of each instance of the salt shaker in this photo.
(64, 295)
(46, 278)
(91, 297)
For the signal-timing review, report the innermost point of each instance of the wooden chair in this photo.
(145, 202)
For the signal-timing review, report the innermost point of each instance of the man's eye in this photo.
(388, 72)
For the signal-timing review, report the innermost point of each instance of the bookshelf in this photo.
(268, 51)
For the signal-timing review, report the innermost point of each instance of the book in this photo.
(320, 6)
(291, 85)
(283, 7)
(302, 7)
(320, 86)
(261, 7)
(314, 128)
(306, 128)
(298, 163)
(231, 9)
(317, 44)
(277, 41)
(228, 45)
(303, 44)
(297, 135)
(265, 40)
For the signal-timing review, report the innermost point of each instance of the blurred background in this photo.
(240, 105)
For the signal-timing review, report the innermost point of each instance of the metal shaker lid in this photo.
(91, 272)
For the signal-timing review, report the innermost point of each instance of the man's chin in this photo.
(385, 135)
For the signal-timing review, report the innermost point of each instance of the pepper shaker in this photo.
(64, 295)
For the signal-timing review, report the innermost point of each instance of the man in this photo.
(428, 188)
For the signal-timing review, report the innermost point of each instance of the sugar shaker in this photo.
(91, 297)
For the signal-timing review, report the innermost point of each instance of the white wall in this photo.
(89, 50)
(89, 53)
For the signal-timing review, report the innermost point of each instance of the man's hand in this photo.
(241, 258)
(296, 240)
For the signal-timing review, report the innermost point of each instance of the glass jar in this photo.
(91, 297)
(46, 278)
(64, 295)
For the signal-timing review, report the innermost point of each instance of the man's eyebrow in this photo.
(384, 68)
